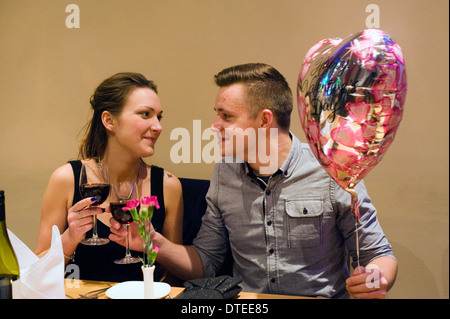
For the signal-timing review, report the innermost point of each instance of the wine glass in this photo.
(122, 193)
(94, 181)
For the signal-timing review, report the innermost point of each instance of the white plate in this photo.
(135, 290)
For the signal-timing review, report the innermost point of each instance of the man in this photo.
(290, 226)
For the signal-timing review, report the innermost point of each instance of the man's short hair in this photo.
(266, 88)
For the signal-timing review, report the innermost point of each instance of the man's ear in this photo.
(108, 121)
(267, 118)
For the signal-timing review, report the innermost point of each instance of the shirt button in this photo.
(269, 223)
(305, 211)
(268, 192)
(271, 251)
(272, 280)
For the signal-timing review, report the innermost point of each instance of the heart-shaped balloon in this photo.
(350, 95)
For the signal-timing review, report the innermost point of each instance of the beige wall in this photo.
(48, 73)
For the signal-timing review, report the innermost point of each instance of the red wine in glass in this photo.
(122, 193)
(99, 190)
(122, 216)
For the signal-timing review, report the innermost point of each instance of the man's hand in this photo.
(367, 283)
(119, 235)
(181, 261)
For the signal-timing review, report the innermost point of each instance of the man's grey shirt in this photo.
(292, 235)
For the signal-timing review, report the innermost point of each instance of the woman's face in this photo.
(138, 126)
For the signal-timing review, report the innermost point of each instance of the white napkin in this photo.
(40, 278)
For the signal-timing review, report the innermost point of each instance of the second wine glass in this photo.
(121, 194)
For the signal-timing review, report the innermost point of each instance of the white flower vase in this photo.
(149, 290)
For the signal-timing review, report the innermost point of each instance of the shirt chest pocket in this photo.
(304, 222)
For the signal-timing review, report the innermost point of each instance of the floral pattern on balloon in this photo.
(351, 93)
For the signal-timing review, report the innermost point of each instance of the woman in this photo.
(124, 129)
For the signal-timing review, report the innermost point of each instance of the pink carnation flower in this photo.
(150, 201)
(131, 204)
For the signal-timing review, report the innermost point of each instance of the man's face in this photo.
(236, 127)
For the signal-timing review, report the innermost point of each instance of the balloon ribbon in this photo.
(355, 210)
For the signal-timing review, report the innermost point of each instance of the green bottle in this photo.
(9, 267)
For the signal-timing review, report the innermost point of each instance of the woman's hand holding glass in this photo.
(94, 183)
(80, 218)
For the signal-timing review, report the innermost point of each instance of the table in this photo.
(75, 287)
